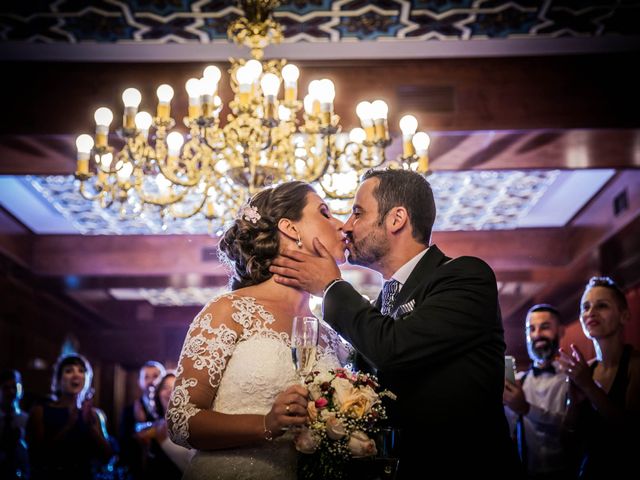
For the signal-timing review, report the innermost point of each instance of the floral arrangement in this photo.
(345, 409)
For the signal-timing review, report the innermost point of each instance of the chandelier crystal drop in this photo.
(217, 166)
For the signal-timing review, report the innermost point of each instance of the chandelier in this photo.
(214, 168)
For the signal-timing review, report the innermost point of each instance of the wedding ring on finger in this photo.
(288, 409)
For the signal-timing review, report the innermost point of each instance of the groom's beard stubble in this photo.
(369, 250)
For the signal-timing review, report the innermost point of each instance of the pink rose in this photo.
(306, 442)
(321, 402)
(360, 445)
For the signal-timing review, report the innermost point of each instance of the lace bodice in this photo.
(237, 364)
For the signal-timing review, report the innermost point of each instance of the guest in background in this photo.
(604, 394)
(166, 459)
(137, 417)
(14, 461)
(67, 438)
(536, 403)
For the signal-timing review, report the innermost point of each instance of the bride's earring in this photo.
(299, 242)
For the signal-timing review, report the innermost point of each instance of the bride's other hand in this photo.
(289, 409)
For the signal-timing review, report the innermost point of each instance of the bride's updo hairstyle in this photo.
(252, 242)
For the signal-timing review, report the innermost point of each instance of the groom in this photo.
(434, 335)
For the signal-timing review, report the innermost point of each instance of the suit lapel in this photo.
(419, 276)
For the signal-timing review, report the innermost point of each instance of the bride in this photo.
(237, 391)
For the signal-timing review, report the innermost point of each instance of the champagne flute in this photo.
(304, 341)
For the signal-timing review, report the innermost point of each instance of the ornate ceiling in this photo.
(72, 21)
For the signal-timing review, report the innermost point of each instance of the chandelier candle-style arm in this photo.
(268, 136)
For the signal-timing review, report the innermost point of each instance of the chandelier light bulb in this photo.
(125, 172)
(379, 109)
(213, 73)
(84, 143)
(326, 91)
(284, 113)
(308, 104)
(103, 117)
(174, 143)
(165, 93)
(208, 87)
(244, 76)
(254, 67)
(421, 142)
(143, 121)
(364, 111)
(408, 125)
(270, 84)
(290, 73)
(193, 88)
(131, 98)
(357, 135)
(105, 160)
(314, 89)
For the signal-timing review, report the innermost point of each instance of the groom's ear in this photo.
(287, 228)
(397, 218)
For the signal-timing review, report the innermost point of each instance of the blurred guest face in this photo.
(367, 240)
(543, 336)
(164, 393)
(73, 380)
(148, 376)
(600, 314)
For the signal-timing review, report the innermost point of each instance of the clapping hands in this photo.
(577, 370)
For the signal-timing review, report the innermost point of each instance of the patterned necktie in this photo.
(389, 291)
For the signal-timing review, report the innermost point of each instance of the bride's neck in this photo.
(294, 298)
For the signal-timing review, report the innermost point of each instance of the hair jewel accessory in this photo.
(249, 213)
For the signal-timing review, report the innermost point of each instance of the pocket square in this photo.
(405, 308)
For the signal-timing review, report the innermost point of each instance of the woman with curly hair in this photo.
(237, 392)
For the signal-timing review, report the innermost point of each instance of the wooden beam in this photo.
(508, 250)
(15, 239)
(569, 91)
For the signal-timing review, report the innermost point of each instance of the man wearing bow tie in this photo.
(434, 335)
(536, 404)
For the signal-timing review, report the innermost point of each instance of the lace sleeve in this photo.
(331, 343)
(207, 347)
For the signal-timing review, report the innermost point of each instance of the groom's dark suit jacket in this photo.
(442, 353)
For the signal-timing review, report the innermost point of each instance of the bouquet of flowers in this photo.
(345, 409)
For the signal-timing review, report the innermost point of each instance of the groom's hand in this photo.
(311, 273)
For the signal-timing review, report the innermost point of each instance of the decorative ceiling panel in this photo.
(471, 200)
(73, 21)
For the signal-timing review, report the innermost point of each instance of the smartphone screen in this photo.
(510, 368)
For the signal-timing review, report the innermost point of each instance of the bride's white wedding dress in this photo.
(239, 374)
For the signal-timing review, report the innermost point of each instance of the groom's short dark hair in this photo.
(407, 189)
